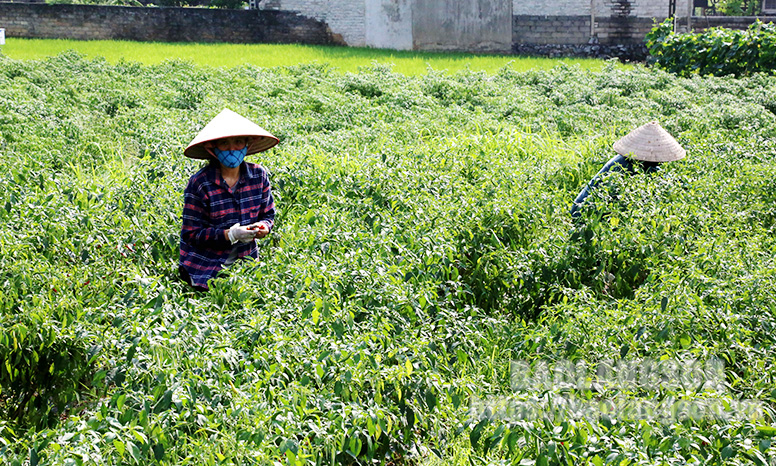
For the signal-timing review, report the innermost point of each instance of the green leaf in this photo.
(512, 440)
(476, 433)
(164, 402)
(431, 399)
(767, 430)
(120, 401)
(355, 445)
(140, 437)
(119, 446)
(158, 451)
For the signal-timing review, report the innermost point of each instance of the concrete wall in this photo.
(388, 24)
(90, 22)
(473, 25)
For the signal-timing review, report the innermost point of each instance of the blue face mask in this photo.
(231, 158)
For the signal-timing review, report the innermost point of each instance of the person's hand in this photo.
(260, 229)
(241, 234)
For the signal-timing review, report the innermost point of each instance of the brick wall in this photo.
(535, 21)
(699, 23)
(90, 22)
(576, 29)
(37, 20)
(562, 8)
(637, 8)
(346, 18)
(623, 30)
(531, 29)
(569, 21)
(641, 8)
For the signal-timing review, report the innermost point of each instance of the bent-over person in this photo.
(645, 149)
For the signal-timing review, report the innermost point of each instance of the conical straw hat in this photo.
(650, 143)
(226, 124)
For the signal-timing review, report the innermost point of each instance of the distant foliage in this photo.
(738, 7)
(716, 51)
(229, 4)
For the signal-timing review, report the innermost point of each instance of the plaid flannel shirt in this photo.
(210, 207)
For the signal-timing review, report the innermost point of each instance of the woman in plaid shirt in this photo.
(228, 203)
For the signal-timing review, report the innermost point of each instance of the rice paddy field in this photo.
(425, 298)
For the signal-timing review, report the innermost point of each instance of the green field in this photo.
(276, 55)
(424, 298)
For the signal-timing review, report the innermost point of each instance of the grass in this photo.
(278, 55)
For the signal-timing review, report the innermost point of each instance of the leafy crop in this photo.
(423, 242)
(716, 51)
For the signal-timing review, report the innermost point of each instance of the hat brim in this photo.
(230, 124)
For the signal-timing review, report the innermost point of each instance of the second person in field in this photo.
(643, 149)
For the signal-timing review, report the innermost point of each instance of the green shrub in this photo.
(738, 7)
(45, 369)
(716, 51)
